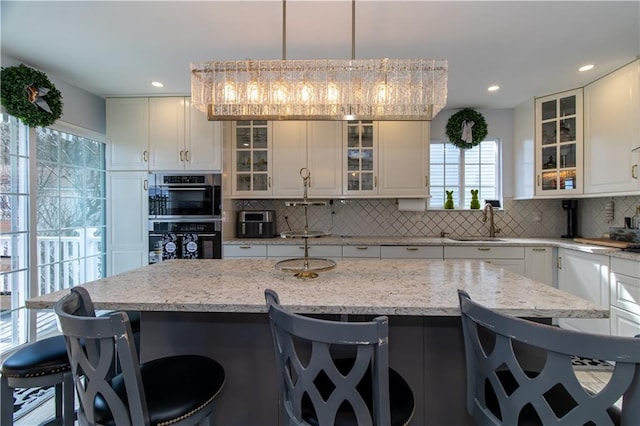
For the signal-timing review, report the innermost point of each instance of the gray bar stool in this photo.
(504, 386)
(175, 390)
(335, 373)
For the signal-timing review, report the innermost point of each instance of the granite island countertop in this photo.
(385, 287)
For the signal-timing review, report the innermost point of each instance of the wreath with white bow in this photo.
(28, 95)
(466, 128)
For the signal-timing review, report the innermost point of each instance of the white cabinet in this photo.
(315, 145)
(361, 252)
(386, 158)
(244, 251)
(612, 131)
(625, 297)
(511, 258)
(127, 212)
(127, 133)
(251, 159)
(538, 264)
(404, 158)
(559, 143)
(161, 134)
(291, 251)
(181, 137)
(412, 252)
(585, 275)
(523, 151)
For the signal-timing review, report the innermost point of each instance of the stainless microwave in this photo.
(184, 196)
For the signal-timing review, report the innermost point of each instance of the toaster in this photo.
(256, 224)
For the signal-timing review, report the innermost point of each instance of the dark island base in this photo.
(427, 351)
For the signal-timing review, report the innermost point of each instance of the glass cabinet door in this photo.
(252, 156)
(360, 153)
(559, 143)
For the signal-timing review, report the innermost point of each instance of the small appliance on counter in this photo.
(256, 224)
(571, 207)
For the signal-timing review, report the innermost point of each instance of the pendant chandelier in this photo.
(332, 89)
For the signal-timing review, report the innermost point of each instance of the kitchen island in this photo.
(217, 308)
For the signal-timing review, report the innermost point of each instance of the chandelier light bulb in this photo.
(230, 92)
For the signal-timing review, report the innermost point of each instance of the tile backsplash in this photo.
(381, 217)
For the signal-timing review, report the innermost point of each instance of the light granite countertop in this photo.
(436, 241)
(385, 287)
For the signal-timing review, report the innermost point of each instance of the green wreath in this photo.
(28, 94)
(478, 128)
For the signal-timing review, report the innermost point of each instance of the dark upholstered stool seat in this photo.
(42, 363)
(47, 356)
(173, 386)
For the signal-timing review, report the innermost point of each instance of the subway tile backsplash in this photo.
(381, 217)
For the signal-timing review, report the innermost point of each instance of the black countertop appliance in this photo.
(571, 207)
(256, 224)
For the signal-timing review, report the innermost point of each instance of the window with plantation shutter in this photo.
(460, 171)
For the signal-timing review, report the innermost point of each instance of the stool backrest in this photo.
(95, 345)
(306, 353)
(495, 343)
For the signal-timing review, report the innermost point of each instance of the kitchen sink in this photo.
(474, 239)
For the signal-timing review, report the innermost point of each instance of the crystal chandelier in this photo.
(333, 89)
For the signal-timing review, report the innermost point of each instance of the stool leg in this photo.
(58, 402)
(6, 402)
(68, 401)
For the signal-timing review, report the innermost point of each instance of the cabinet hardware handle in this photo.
(539, 249)
(187, 155)
(634, 171)
(181, 155)
(412, 248)
(538, 180)
(301, 247)
(145, 155)
(375, 181)
(146, 184)
(362, 248)
(426, 181)
(559, 263)
(484, 249)
(269, 184)
(245, 247)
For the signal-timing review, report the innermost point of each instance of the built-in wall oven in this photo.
(184, 216)
(184, 196)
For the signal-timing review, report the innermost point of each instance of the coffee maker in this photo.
(571, 207)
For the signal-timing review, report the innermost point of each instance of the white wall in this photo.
(499, 125)
(80, 108)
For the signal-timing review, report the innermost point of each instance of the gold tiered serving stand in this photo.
(305, 267)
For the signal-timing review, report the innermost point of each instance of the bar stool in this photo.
(177, 390)
(320, 385)
(503, 387)
(42, 363)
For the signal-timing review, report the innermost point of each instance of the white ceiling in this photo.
(529, 48)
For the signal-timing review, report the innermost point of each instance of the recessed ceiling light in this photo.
(586, 67)
(493, 88)
(157, 84)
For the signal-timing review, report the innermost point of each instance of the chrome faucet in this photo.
(492, 226)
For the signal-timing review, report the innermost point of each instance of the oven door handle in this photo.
(200, 189)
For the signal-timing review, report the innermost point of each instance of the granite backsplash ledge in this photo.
(381, 217)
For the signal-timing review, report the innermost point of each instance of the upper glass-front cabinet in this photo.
(252, 152)
(559, 144)
(361, 158)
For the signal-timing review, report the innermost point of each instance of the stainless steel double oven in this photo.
(184, 216)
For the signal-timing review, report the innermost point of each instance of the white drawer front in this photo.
(286, 251)
(412, 252)
(624, 323)
(369, 252)
(625, 266)
(625, 292)
(248, 250)
(483, 252)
